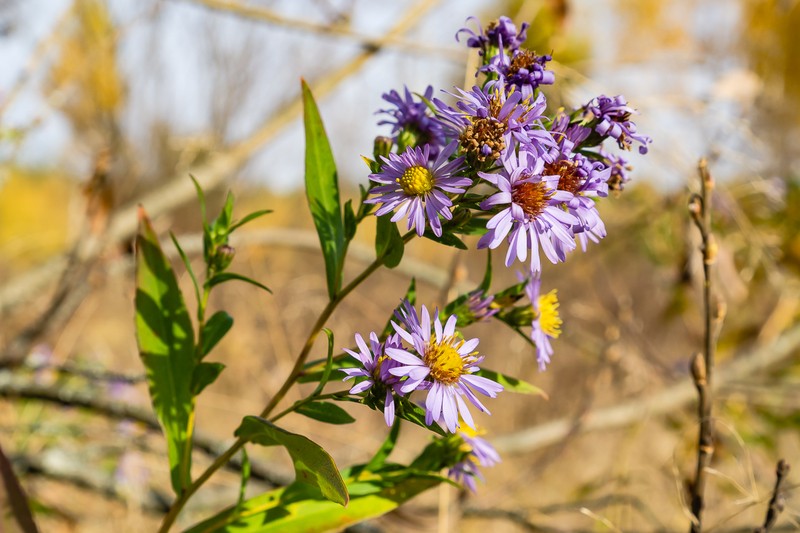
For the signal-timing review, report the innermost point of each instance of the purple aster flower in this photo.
(444, 365)
(523, 71)
(613, 120)
(533, 217)
(546, 322)
(478, 452)
(568, 134)
(479, 306)
(489, 122)
(411, 124)
(586, 180)
(619, 170)
(501, 33)
(415, 185)
(375, 366)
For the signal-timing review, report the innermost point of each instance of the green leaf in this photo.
(448, 239)
(512, 384)
(222, 277)
(248, 218)
(350, 222)
(312, 464)
(215, 329)
(325, 412)
(322, 192)
(201, 199)
(204, 375)
(326, 372)
(221, 225)
(473, 226)
(166, 345)
(415, 414)
(487, 275)
(297, 509)
(188, 266)
(388, 242)
(245, 477)
(315, 370)
(379, 459)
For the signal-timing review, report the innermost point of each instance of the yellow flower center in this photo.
(549, 320)
(416, 180)
(445, 362)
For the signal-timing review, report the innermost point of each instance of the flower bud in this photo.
(223, 257)
(381, 147)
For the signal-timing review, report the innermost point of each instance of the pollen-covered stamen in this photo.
(445, 362)
(569, 178)
(549, 319)
(416, 180)
(484, 138)
(524, 59)
(531, 197)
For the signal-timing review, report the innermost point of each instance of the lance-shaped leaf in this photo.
(388, 242)
(297, 509)
(166, 345)
(325, 412)
(322, 192)
(312, 464)
(512, 384)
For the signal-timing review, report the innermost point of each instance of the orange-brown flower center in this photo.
(484, 132)
(568, 177)
(531, 197)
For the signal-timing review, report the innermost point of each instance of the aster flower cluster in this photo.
(492, 161)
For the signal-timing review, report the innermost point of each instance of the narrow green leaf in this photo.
(245, 477)
(222, 277)
(325, 412)
(448, 239)
(379, 459)
(487, 275)
(388, 242)
(322, 192)
(215, 329)
(201, 199)
(248, 218)
(326, 373)
(315, 370)
(15, 511)
(204, 375)
(312, 464)
(296, 508)
(415, 414)
(512, 384)
(350, 222)
(188, 266)
(166, 345)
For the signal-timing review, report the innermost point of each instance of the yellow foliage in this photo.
(33, 216)
(86, 67)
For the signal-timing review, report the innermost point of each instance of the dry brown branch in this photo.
(776, 503)
(179, 189)
(261, 14)
(638, 409)
(702, 366)
(16, 387)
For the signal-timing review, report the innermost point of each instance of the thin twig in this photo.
(776, 503)
(703, 366)
(667, 401)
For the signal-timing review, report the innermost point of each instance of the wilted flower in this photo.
(375, 366)
(546, 322)
(533, 217)
(613, 120)
(416, 186)
(489, 123)
(619, 167)
(411, 123)
(477, 452)
(444, 365)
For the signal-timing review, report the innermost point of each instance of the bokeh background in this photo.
(105, 104)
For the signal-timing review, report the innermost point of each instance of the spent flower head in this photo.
(612, 118)
(414, 185)
(443, 364)
(411, 124)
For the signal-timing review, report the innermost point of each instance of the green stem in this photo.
(178, 505)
